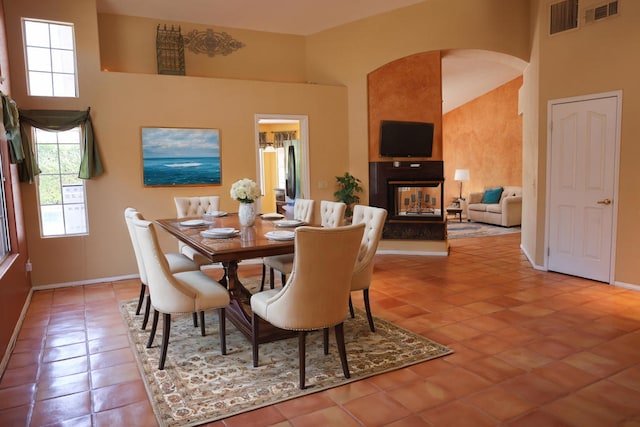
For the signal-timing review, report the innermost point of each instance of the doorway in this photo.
(282, 160)
(584, 146)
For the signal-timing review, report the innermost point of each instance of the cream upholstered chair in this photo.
(195, 206)
(374, 219)
(317, 292)
(185, 292)
(302, 211)
(176, 262)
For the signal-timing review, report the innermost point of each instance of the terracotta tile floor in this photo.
(531, 349)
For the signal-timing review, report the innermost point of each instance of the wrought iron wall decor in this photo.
(211, 42)
(170, 50)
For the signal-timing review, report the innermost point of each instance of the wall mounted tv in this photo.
(405, 139)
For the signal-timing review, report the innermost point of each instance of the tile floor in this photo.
(531, 349)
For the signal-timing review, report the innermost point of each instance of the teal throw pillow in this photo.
(492, 195)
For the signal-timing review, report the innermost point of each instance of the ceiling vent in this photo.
(563, 16)
(601, 11)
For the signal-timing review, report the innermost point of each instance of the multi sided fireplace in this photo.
(413, 194)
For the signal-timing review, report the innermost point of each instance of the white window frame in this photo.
(69, 209)
(47, 60)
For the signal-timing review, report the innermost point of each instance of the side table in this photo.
(455, 211)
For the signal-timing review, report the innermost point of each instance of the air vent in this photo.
(601, 11)
(564, 16)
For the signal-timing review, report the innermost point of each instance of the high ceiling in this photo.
(467, 74)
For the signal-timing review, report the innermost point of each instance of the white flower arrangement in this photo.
(245, 191)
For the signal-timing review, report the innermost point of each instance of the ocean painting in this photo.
(180, 156)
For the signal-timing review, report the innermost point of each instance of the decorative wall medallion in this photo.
(211, 42)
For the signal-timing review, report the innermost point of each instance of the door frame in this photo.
(616, 171)
(305, 191)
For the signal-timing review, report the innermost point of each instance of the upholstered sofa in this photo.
(496, 207)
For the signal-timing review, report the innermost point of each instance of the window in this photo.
(61, 194)
(51, 58)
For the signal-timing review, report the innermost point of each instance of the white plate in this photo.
(288, 223)
(214, 214)
(280, 235)
(272, 215)
(193, 223)
(219, 233)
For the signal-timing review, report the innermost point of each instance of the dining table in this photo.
(230, 249)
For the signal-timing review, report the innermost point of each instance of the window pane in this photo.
(45, 137)
(64, 85)
(48, 158)
(52, 220)
(40, 84)
(61, 36)
(49, 189)
(75, 219)
(36, 33)
(71, 136)
(62, 61)
(38, 59)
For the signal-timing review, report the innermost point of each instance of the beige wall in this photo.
(121, 103)
(127, 44)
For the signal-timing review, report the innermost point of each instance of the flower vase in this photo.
(247, 214)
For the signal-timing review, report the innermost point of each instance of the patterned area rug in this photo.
(199, 385)
(459, 230)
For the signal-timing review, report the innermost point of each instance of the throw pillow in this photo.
(492, 195)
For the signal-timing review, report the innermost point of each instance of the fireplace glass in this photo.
(418, 199)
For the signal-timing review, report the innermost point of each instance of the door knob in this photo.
(604, 202)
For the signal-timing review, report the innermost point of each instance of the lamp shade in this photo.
(461, 175)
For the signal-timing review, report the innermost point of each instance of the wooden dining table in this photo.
(249, 243)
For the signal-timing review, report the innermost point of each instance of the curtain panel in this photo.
(59, 120)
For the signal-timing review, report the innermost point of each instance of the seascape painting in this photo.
(180, 156)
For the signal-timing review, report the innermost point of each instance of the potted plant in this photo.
(349, 187)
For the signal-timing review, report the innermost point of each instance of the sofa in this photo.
(499, 206)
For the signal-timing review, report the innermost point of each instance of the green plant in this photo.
(349, 186)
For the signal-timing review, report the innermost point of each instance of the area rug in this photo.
(460, 230)
(199, 385)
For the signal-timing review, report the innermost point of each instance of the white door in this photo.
(582, 186)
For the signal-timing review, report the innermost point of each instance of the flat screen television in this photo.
(405, 139)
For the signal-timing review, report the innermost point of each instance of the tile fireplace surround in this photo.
(412, 192)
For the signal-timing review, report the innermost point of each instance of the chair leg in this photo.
(283, 279)
(195, 319)
(271, 279)
(222, 325)
(325, 336)
(143, 289)
(302, 335)
(254, 338)
(147, 310)
(264, 274)
(351, 307)
(202, 331)
(365, 292)
(342, 350)
(154, 326)
(166, 329)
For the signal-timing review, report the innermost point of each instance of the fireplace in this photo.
(413, 195)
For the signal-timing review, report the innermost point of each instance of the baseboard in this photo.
(627, 286)
(530, 259)
(14, 335)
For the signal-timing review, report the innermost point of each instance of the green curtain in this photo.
(60, 120)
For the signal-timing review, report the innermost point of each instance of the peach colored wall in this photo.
(408, 89)
(123, 103)
(127, 44)
(484, 136)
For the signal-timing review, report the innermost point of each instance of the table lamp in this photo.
(461, 175)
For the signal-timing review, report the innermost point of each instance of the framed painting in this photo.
(180, 156)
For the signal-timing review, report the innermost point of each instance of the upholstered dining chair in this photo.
(373, 218)
(302, 211)
(185, 292)
(317, 292)
(176, 262)
(195, 206)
